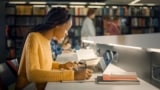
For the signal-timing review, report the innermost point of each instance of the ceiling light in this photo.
(107, 6)
(151, 4)
(79, 3)
(134, 2)
(114, 7)
(38, 2)
(17, 2)
(72, 6)
(58, 6)
(138, 4)
(97, 3)
(95, 7)
(39, 5)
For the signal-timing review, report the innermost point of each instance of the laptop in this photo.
(103, 63)
(108, 56)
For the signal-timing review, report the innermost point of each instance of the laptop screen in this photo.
(106, 59)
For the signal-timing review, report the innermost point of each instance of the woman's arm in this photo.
(36, 73)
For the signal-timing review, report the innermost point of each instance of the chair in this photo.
(13, 65)
(8, 74)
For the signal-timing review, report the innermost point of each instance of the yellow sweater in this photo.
(36, 63)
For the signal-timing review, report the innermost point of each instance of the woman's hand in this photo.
(68, 65)
(82, 74)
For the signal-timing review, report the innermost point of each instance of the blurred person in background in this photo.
(110, 28)
(88, 28)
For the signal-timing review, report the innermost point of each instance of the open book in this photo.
(66, 57)
(86, 56)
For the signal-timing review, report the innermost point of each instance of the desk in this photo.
(93, 86)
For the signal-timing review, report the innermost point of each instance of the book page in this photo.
(66, 57)
(86, 54)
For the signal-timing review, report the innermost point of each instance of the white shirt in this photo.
(88, 28)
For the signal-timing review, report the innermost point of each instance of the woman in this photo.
(110, 28)
(36, 63)
(88, 27)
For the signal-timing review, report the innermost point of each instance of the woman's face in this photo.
(93, 16)
(62, 30)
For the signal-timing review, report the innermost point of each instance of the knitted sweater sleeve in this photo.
(34, 70)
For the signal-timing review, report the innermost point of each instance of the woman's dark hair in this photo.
(91, 11)
(54, 17)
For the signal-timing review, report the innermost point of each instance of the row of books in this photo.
(78, 11)
(132, 11)
(110, 10)
(10, 43)
(10, 20)
(26, 10)
(115, 11)
(137, 22)
(140, 31)
(24, 20)
(142, 22)
(17, 32)
(11, 53)
(99, 26)
(77, 21)
(139, 11)
(14, 47)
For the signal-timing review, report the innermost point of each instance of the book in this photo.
(10, 10)
(65, 57)
(99, 80)
(81, 56)
(86, 54)
(120, 76)
(24, 10)
(39, 11)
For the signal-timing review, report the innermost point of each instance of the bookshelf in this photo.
(19, 21)
(135, 19)
(131, 20)
(2, 33)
